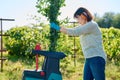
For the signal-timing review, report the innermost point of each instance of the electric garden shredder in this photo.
(50, 68)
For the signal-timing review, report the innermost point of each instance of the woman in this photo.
(91, 42)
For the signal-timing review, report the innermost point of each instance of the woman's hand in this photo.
(63, 30)
(55, 26)
(58, 28)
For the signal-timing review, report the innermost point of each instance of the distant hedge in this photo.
(23, 39)
(111, 42)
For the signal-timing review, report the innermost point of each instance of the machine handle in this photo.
(37, 47)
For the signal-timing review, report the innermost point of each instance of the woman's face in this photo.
(81, 19)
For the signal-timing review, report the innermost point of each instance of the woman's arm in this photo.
(77, 31)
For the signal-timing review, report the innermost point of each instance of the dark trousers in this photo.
(94, 69)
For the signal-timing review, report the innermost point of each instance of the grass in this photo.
(14, 66)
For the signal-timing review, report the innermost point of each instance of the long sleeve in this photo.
(90, 39)
(83, 29)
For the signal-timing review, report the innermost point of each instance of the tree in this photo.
(108, 19)
(116, 21)
(99, 20)
(50, 9)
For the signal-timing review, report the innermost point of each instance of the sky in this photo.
(23, 10)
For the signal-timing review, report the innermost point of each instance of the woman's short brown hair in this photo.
(85, 12)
